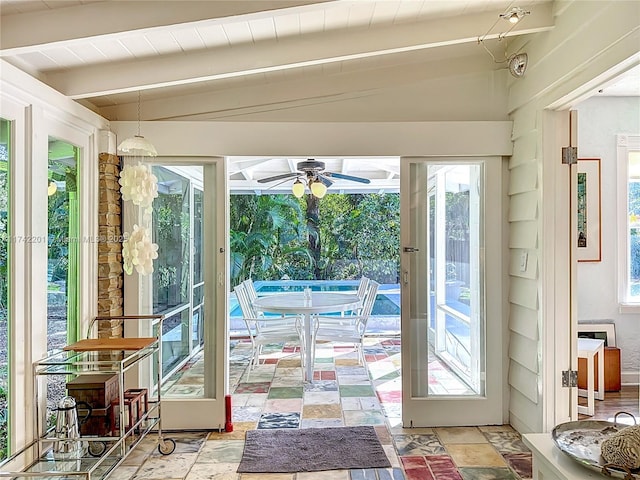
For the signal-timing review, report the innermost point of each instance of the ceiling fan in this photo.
(313, 173)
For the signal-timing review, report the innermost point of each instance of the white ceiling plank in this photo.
(88, 52)
(311, 22)
(110, 49)
(62, 57)
(213, 35)
(287, 25)
(32, 29)
(238, 33)
(360, 14)
(284, 54)
(335, 19)
(262, 29)
(384, 12)
(139, 49)
(163, 42)
(188, 39)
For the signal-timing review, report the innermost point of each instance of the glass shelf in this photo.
(71, 362)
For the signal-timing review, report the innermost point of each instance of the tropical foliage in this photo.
(339, 237)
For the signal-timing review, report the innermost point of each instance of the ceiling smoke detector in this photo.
(518, 64)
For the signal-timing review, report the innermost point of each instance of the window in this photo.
(629, 221)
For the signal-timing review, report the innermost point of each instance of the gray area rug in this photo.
(291, 450)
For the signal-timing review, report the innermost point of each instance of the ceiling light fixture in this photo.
(318, 188)
(514, 15)
(137, 146)
(52, 188)
(298, 188)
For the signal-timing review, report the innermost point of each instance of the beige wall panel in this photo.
(524, 292)
(524, 380)
(524, 321)
(523, 350)
(523, 267)
(525, 121)
(523, 234)
(523, 414)
(524, 206)
(523, 177)
(525, 150)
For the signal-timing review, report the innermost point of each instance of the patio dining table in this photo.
(298, 304)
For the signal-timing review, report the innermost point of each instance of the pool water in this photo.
(387, 301)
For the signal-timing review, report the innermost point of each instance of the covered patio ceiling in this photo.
(383, 172)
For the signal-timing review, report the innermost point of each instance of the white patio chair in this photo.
(263, 331)
(362, 287)
(334, 329)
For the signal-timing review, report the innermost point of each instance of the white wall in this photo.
(600, 119)
(591, 42)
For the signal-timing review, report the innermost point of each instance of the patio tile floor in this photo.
(343, 393)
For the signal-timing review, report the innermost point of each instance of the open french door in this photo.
(193, 260)
(453, 318)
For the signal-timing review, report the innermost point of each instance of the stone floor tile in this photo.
(418, 444)
(487, 473)
(208, 471)
(475, 455)
(363, 417)
(216, 451)
(166, 467)
(330, 410)
(324, 475)
(449, 435)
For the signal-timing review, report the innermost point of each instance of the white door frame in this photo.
(207, 412)
(459, 410)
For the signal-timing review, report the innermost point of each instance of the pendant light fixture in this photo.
(137, 146)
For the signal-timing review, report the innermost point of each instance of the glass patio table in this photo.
(298, 304)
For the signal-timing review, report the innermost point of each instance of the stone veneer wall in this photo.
(110, 272)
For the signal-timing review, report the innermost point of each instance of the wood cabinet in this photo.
(612, 381)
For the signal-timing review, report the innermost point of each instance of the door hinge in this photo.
(569, 378)
(569, 155)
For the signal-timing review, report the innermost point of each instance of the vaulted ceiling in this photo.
(208, 60)
(257, 60)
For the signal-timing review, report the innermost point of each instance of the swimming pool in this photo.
(387, 301)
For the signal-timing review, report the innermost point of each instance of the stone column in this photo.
(110, 273)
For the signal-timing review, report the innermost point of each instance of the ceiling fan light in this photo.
(297, 189)
(318, 189)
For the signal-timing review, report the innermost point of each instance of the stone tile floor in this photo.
(343, 394)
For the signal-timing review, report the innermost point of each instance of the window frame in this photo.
(625, 144)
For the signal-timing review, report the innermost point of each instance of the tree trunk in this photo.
(313, 215)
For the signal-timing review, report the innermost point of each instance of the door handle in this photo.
(410, 249)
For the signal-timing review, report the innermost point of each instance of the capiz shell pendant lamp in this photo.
(137, 146)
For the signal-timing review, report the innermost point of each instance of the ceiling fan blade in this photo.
(327, 182)
(277, 177)
(347, 177)
(278, 184)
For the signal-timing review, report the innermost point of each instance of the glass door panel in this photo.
(446, 337)
(171, 275)
(5, 129)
